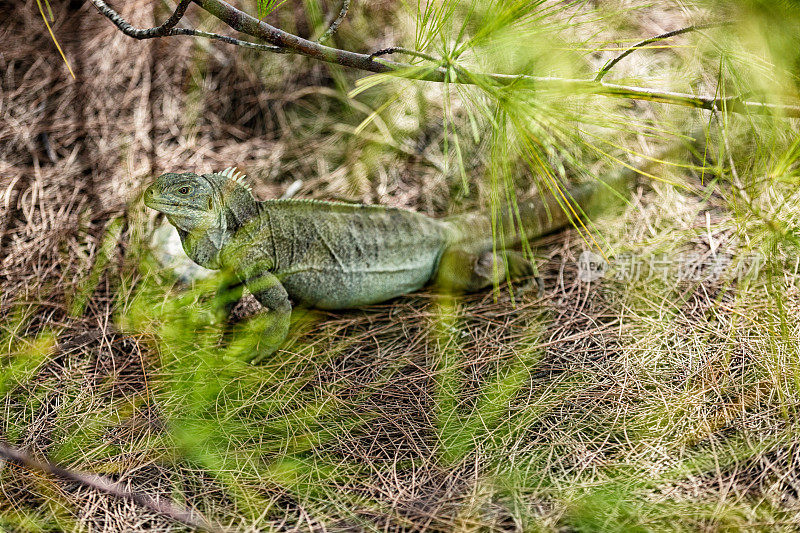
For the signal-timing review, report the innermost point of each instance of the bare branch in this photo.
(241, 21)
(335, 24)
(610, 64)
(107, 486)
(283, 41)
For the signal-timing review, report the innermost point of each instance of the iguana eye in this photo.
(184, 190)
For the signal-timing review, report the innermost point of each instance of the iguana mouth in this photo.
(171, 208)
(163, 204)
(158, 206)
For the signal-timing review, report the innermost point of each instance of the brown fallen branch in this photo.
(109, 487)
(285, 42)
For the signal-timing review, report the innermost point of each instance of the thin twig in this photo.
(335, 24)
(283, 41)
(610, 64)
(109, 487)
(401, 50)
(168, 29)
(229, 40)
(137, 33)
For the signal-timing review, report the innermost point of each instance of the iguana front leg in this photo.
(270, 293)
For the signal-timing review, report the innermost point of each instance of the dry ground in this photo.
(615, 381)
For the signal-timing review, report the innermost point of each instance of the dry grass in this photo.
(605, 406)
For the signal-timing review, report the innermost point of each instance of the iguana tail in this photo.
(508, 227)
(528, 220)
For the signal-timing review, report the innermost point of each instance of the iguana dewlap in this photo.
(333, 255)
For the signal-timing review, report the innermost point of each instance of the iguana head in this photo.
(188, 200)
(205, 208)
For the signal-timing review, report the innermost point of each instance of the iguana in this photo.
(335, 255)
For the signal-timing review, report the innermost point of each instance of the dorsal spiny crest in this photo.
(234, 175)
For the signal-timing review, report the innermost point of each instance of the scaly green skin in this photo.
(333, 255)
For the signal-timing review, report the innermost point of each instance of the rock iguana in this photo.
(335, 255)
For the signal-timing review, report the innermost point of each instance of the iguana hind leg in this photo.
(464, 271)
